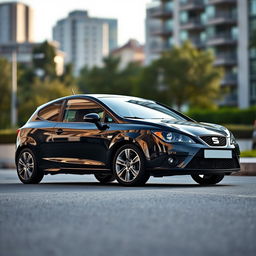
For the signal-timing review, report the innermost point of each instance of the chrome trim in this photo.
(225, 146)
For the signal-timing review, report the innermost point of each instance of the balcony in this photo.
(222, 2)
(226, 59)
(221, 39)
(163, 32)
(192, 5)
(197, 42)
(162, 13)
(223, 18)
(229, 80)
(192, 24)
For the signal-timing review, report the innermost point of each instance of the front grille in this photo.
(216, 141)
(198, 163)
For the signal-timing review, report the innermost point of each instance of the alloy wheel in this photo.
(26, 165)
(128, 165)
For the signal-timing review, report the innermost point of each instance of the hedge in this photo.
(7, 136)
(248, 153)
(225, 115)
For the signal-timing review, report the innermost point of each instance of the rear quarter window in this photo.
(50, 112)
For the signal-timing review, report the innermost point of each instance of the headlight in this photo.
(173, 137)
(232, 139)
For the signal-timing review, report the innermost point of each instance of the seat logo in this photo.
(215, 140)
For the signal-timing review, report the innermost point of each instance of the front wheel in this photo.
(129, 166)
(27, 167)
(207, 179)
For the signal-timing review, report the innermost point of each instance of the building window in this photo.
(253, 90)
(202, 36)
(183, 17)
(210, 31)
(234, 33)
(183, 35)
(168, 6)
(210, 11)
(253, 53)
(252, 7)
(253, 66)
(168, 25)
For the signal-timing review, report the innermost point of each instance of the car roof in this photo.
(92, 96)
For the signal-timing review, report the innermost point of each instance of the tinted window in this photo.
(51, 112)
(76, 109)
(140, 108)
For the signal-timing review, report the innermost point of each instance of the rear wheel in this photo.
(207, 179)
(129, 166)
(27, 167)
(104, 178)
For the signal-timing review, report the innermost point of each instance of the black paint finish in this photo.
(83, 148)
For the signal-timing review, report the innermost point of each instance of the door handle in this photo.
(59, 131)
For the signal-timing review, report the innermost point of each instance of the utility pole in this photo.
(14, 90)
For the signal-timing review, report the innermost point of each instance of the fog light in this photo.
(170, 160)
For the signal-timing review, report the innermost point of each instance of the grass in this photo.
(248, 153)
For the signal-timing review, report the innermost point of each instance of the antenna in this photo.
(73, 91)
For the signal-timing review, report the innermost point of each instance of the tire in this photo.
(129, 166)
(104, 178)
(207, 179)
(27, 167)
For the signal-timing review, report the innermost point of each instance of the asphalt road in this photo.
(75, 215)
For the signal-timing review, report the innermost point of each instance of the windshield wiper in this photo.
(134, 117)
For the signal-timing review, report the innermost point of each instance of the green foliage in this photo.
(189, 77)
(7, 136)
(5, 89)
(40, 93)
(240, 131)
(43, 59)
(225, 115)
(248, 153)
(67, 77)
(109, 78)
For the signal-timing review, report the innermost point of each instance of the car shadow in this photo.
(96, 186)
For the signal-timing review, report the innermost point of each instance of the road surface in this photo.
(75, 215)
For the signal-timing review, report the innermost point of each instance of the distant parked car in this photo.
(124, 138)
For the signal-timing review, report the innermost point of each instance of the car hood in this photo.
(192, 128)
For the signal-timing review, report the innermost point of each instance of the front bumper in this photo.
(191, 162)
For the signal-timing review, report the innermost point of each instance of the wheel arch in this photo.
(119, 144)
(20, 148)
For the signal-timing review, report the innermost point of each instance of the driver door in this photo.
(80, 144)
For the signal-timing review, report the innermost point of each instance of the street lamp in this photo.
(14, 90)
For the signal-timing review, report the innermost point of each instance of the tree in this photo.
(109, 78)
(67, 77)
(40, 92)
(189, 77)
(43, 60)
(5, 89)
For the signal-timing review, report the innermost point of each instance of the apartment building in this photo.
(16, 23)
(224, 26)
(85, 40)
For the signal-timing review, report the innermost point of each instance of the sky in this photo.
(129, 13)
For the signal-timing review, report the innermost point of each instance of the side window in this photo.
(51, 112)
(76, 109)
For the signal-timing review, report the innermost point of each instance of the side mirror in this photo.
(91, 118)
(95, 118)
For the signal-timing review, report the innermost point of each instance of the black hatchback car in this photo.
(124, 138)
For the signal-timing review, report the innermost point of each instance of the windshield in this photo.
(139, 109)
